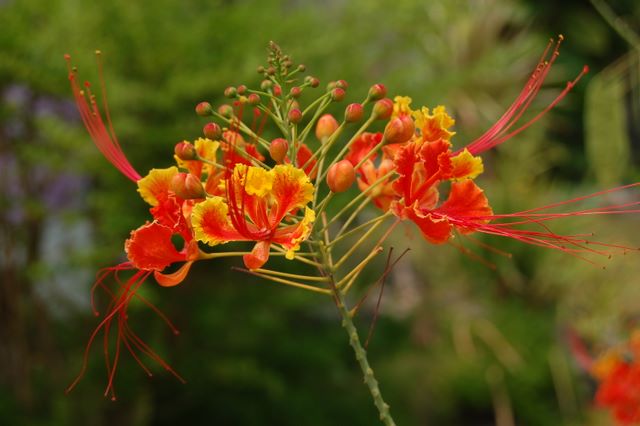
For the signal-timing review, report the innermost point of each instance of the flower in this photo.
(257, 201)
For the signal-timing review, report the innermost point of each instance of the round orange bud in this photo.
(342, 84)
(382, 109)
(187, 186)
(253, 99)
(242, 89)
(295, 92)
(353, 113)
(377, 91)
(230, 92)
(341, 176)
(325, 127)
(225, 110)
(203, 109)
(337, 94)
(399, 129)
(185, 151)
(295, 115)
(277, 90)
(278, 149)
(313, 81)
(212, 131)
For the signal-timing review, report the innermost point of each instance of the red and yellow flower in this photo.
(258, 203)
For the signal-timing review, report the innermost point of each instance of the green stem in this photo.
(361, 357)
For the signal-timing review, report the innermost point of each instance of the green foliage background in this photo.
(457, 343)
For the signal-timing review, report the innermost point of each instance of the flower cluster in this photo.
(618, 374)
(237, 185)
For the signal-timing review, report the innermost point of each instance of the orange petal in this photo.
(211, 223)
(150, 247)
(291, 190)
(258, 256)
(155, 185)
(435, 229)
(468, 204)
(466, 166)
(175, 278)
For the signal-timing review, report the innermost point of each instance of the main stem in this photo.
(361, 357)
(354, 341)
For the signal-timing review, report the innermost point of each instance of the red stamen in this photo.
(498, 133)
(104, 139)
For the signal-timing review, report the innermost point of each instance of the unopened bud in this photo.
(260, 69)
(187, 186)
(212, 131)
(185, 151)
(353, 113)
(341, 176)
(295, 92)
(337, 94)
(325, 127)
(342, 84)
(295, 116)
(377, 91)
(266, 85)
(399, 129)
(203, 109)
(302, 68)
(225, 110)
(271, 70)
(278, 149)
(382, 109)
(242, 89)
(313, 81)
(230, 92)
(277, 90)
(331, 85)
(253, 99)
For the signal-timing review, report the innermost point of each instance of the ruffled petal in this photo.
(435, 228)
(435, 125)
(211, 223)
(292, 189)
(466, 166)
(155, 186)
(291, 236)
(175, 278)
(150, 247)
(467, 204)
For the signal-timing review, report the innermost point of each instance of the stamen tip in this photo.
(113, 398)
(585, 69)
(98, 52)
(560, 37)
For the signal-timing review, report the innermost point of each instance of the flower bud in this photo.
(212, 131)
(341, 176)
(325, 127)
(312, 81)
(295, 92)
(187, 186)
(271, 70)
(377, 91)
(203, 109)
(225, 110)
(337, 94)
(260, 69)
(242, 89)
(230, 92)
(185, 151)
(353, 113)
(253, 99)
(277, 90)
(342, 84)
(295, 115)
(278, 149)
(302, 68)
(266, 84)
(399, 130)
(382, 109)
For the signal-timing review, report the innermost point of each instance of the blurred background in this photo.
(457, 343)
